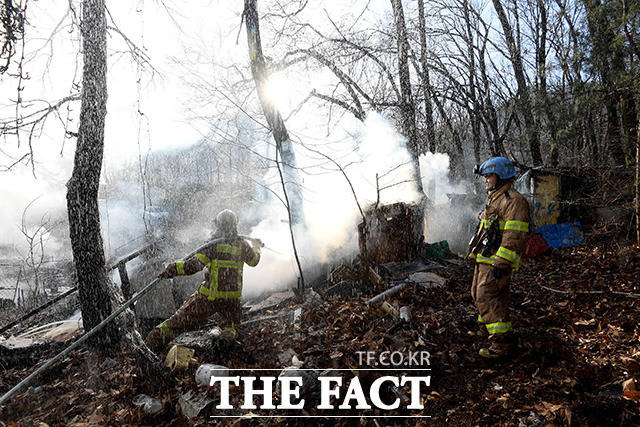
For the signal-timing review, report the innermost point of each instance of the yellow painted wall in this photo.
(546, 208)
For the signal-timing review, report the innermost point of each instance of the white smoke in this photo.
(122, 226)
(449, 217)
(331, 212)
(44, 196)
(434, 168)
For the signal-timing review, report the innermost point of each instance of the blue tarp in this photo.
(561, 235)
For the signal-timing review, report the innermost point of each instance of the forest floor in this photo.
(575, 310)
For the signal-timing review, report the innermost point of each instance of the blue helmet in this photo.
(501, 166)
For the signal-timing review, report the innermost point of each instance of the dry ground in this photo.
(578, 340)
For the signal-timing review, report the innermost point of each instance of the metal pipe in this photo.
(76, 344)
(386, 294)
(403, 284)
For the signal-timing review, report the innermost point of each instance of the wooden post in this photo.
(125, 284)
(15, 293)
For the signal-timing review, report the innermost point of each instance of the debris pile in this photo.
(597, 200)
(578, 359)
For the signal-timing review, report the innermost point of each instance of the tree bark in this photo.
(407, 109)
(274, 119)
(474, 109)
(82, 188)
(456, 155)
(426, 83)
(541, 68)
(609, 62)
(637, 201)
(491, 116)
(523, 92)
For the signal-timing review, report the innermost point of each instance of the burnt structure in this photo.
(392, 232)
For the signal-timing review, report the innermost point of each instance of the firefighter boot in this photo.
(480, 330)
(229, 334)
(500, 346)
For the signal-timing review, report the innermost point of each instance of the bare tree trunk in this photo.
(426, 83)
(490, 122)
(637, 201)
(82, 188)
(274, 119)
(407, 109)
(541, 62)
(608, 61)
(475, 110)
(456, 169)
(523, 91)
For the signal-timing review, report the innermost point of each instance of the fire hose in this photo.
(102, 324)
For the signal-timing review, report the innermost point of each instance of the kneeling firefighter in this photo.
(222, 287)
(497, 247)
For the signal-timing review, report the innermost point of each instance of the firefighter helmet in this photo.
(226, 219)
(501, 166)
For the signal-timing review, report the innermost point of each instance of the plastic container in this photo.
(178, 358)
(405, 314)
(390, 309)
(148, 404)
(206, 371)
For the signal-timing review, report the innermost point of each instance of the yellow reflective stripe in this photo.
(223, 263)
(484, 260)
(180, 267)
(517, 226)
(213, 285)
(480, 319)
(212, 295)
(226, 294)
(509, 255)
(226, 248)
(212, 292)
(166, 331)
(204, 290)
(486, 223)
(203, 258)
(499, 327)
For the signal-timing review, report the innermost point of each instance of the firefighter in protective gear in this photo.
(496, 249)
(222, 287)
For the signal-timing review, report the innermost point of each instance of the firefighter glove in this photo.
(165, 274)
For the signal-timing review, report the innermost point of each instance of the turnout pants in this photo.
(491, 296)
(194, 310)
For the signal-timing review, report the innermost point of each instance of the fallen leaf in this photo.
(630, 390)
(546, 408)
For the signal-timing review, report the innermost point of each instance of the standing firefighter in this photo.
(222, 287)
(496, 248)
